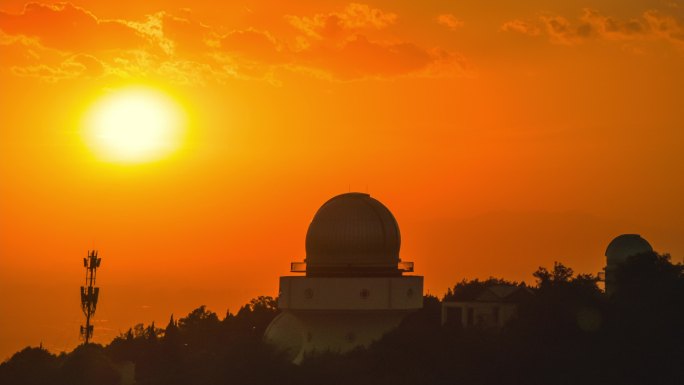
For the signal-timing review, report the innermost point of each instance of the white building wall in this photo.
(363, 293)
(338, 314)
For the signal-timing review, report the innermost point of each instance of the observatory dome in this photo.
(624, 246)
(353, 234)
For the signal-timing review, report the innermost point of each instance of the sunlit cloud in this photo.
(521, 26)
(65, 41)
(450, 21)
(354, 17)
(80, 65)
(67, 27)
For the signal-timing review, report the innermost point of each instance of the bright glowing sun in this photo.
(134, 124)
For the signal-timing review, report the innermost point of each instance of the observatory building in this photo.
(353, 290)
(619, 249)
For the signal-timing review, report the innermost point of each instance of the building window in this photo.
(308, 293)
(409, 292)
(365, 293)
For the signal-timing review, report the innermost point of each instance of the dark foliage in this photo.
(469, 290)
(567, 332)
(88, 364)
(31, 366)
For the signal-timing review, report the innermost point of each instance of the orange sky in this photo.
(502, 137)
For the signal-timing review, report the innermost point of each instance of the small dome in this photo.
(624, 246)
(353, 234)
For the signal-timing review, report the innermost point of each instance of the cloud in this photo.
(521, 26)
(351, 45)
(665, 27)
(450, 21)
(50, 74)
(27, 57)
(360, 57)
(253, 45)
(561, 31)
(354, 17)
(68, 27)
(177, 34)
(651, 25)
(20, 50)
(63, 41)
(74, 66)
(361, 15)
(594, 24)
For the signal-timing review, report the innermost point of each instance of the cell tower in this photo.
(89, 293)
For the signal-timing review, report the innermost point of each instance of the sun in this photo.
(134, 124)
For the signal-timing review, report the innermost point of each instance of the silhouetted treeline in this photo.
(567, 332)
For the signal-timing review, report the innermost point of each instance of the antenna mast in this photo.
(89, 293)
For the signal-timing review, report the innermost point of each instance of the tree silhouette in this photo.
(253, 317)
(87, 365)
(468, 290)
(569, 332)
(30, 366)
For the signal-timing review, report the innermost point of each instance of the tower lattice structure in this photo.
(89, 293)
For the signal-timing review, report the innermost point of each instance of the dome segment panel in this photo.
(354, 234)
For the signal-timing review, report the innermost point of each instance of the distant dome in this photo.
(624, 246)
(353, 234)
